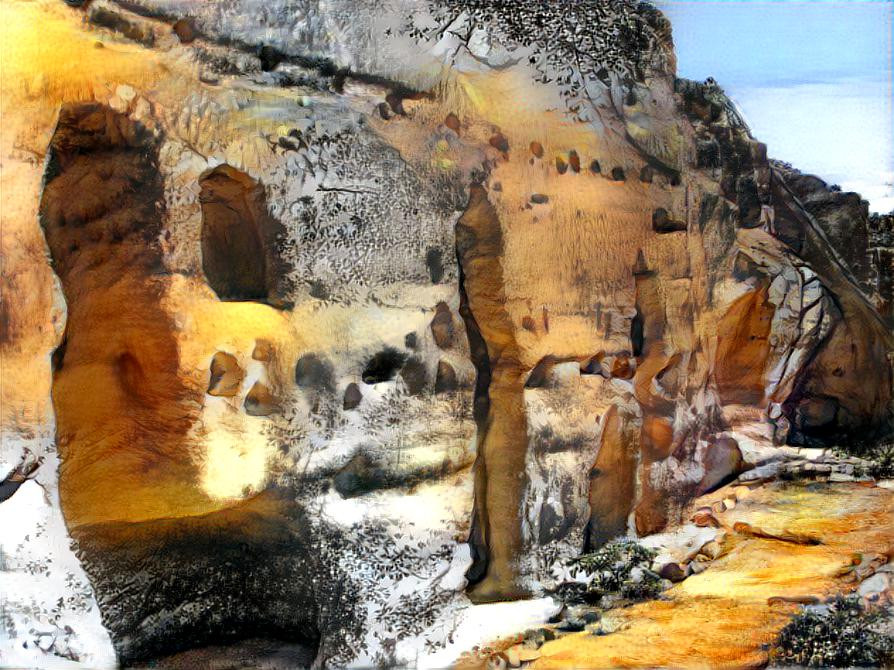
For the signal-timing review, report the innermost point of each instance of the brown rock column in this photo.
(613, 479)
(647, 335)
(499, 404)
(122, 410)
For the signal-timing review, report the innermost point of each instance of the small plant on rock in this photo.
(621, 568)
(847, 635)
(882, 457)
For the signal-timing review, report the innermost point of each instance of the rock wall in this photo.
(378, 312)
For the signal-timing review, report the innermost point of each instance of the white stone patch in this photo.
(480, 624)
(680, 544)
(51, 619)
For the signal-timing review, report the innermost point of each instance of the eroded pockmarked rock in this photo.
(285, 261)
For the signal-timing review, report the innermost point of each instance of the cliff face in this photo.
(376, 312)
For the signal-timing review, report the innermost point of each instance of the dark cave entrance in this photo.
(240, 240)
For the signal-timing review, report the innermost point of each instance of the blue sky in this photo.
(814, 80)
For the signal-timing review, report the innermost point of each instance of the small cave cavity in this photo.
(434, 261)
(539, 376)
(270, 57)
(315, 373)
(240, 253)
(663, 222)
(617, 174)
(637, 336)
(383, 366)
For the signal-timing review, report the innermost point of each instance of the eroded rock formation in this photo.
(239, 237)
(352, 343)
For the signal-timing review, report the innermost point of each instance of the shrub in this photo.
(882, 458)
(879, 455)
(845, 636)
(620, 568)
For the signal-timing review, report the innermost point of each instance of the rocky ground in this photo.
(756, 553)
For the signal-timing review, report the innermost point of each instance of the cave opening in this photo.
(240, 239)
(383, 366)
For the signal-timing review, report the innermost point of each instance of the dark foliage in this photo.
(846, 636)
(882, 458)
(620, 568)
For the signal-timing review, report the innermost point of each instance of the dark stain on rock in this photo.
(353, 397)
(434, 261)
(314, 372)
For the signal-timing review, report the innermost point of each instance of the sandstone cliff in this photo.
(374, 312)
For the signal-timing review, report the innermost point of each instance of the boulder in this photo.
(442, 328)
(353, 397)
(722, 462)
(445, 380)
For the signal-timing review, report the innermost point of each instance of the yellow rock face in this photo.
(292, 326)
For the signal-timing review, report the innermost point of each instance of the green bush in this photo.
(621, 568)
(882, 458)
(846, 636)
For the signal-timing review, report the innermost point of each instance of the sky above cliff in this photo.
(813, 79)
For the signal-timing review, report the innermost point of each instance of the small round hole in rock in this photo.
(383, 366)
(434, 261)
